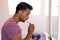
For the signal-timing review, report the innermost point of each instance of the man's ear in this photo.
(20, 12)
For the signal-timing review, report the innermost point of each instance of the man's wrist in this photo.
(30, 33)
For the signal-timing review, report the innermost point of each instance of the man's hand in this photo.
(30, 31)
(31, 28)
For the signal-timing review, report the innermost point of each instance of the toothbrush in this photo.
(28, 22)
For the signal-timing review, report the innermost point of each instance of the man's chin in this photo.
(23, 21)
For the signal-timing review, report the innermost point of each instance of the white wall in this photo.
(4, 12)
(55, 27)
(59, 20)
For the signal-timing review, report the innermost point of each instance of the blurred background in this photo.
(45, 16)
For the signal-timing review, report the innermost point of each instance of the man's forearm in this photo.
(28, 36)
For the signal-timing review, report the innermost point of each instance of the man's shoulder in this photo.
(9, 23)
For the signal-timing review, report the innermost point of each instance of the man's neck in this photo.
(16, 18)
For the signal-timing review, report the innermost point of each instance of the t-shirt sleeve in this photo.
(11, 31)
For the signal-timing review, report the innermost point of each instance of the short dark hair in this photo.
(23, 6)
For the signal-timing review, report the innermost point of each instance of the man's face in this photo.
(25, 15)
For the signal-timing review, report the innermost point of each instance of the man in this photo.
(11, 29)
